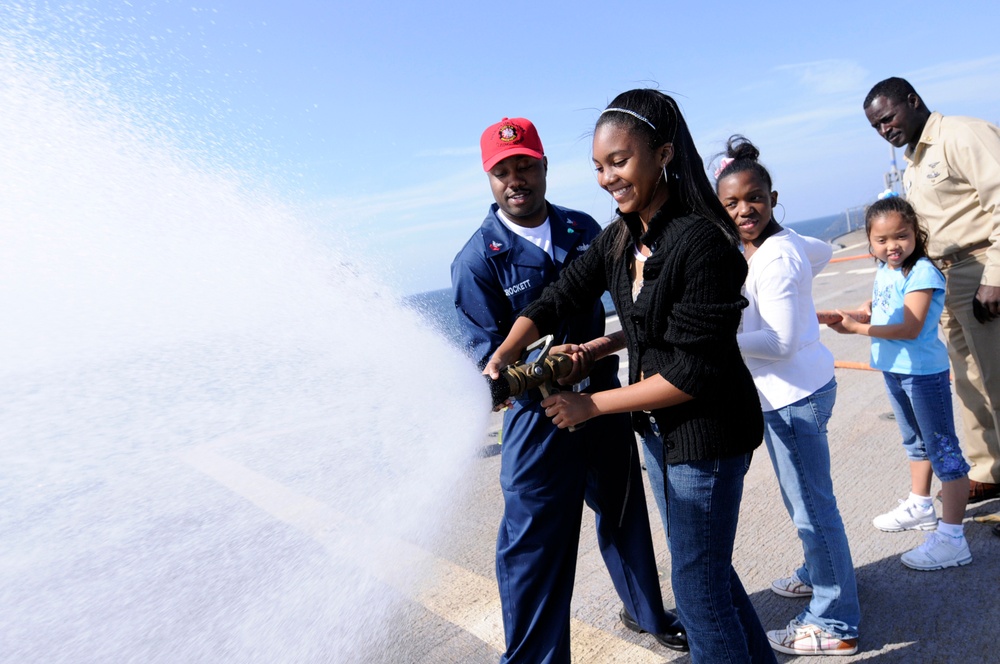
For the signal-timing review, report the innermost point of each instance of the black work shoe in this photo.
(675, 638)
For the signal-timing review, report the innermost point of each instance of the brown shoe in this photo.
(980, 491)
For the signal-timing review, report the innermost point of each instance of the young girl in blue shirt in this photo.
(907, 301)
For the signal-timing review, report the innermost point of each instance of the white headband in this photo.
(632, 113)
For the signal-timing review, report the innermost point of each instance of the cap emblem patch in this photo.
(508, 133)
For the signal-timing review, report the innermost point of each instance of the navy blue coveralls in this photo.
(547, 473)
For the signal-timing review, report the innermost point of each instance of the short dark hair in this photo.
(744, 155)
(909, 215)
(654, 116)
(894, 89)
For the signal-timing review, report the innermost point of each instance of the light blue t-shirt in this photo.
(927, 353)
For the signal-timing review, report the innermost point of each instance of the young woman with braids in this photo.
(671, 262)
(793, 371)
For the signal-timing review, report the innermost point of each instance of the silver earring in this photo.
(782, 213)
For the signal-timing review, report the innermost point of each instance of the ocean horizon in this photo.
(438, 308)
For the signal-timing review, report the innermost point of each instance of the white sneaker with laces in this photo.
(802, 639)
(907, 516)
(937, 552)
(791, 586)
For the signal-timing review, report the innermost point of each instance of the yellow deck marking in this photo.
(467, 600)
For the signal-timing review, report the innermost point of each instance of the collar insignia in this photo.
(495, 246)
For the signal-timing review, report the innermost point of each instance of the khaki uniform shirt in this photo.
(952, 180)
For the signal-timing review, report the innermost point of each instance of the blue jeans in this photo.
(922, 405)
(701, 506)
(796, 441)
(652, 450)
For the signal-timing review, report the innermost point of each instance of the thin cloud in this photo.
(828, 76)
(407, 202)
(448, 152)
(815, 117)
(956, 83)
(457, 201)
(465, 224)
(956, 69)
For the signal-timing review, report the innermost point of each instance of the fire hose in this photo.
(543, 370)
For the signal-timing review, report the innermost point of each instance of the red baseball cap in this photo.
(507, 138)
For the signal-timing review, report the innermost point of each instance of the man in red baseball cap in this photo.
(547, 473)
(516, 163)
(508, 138)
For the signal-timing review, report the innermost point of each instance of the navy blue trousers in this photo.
(546, 476)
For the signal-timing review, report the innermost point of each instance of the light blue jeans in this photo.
(922, 404)
(796, 441)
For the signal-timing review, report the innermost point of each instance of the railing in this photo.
(855, 217)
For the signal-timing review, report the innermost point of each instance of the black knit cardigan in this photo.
(682, 325)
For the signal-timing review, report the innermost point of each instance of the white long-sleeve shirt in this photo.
(779, 334)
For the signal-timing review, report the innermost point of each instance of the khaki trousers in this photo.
(974, 349)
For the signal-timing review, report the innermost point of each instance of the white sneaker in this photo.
(791, 586)
(937, 552)
(907, 517)
(802, 639)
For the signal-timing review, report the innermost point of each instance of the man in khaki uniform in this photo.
(952, 180)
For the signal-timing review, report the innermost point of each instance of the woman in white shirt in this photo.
(793, 372)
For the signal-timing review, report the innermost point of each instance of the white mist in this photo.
(218, 438)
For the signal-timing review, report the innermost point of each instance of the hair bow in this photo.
(723, 164)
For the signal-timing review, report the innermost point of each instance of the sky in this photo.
(367, 116)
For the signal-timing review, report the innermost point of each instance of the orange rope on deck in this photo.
(844, 364)
(828, 317)
(841, 259)
(864, 366)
